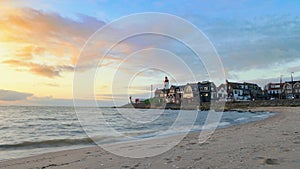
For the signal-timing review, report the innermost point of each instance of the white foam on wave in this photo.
(261, 116)
(212, 126)
(241, 119)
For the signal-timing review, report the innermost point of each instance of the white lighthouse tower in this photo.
(166, 83)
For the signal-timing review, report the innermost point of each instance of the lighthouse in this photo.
(166, 83)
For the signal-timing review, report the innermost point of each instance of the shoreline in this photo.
(218, 149)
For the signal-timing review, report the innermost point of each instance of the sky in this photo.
(42, 42)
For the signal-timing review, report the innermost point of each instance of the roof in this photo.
(235, 85)
(221, 86)
(293, 82)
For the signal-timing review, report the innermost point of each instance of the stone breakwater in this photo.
(220, 105)
(256, 103)
(267, 103)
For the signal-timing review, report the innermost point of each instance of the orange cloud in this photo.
(28, 52)
(40, 69)
(33, 34)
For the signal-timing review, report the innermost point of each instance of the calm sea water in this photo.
(27, 131)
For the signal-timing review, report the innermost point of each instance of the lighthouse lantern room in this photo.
(166, 83)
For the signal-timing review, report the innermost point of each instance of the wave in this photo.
(47, 143)
(47, 118)
(210, 126)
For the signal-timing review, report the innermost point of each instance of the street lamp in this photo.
(292, 84)
(280, 87)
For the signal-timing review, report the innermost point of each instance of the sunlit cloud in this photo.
(51, 84)
(39, 69)
(44, 36)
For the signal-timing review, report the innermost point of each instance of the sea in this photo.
(32, 130)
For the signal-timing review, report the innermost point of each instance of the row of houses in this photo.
(207, 91)
(189, 93)
(286, 90)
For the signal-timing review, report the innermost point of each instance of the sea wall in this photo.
(256, 103)
(221, 105)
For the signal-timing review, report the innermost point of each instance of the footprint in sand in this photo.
(197, 159)
(168, 160)
(178, 158)
(125, 166)
(271, 161)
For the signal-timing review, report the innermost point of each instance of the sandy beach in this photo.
(270, 143)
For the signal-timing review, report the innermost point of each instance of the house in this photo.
(171, 95)
(274, 90)
(291, 89)
(159, 93)
(243, 91)
(222, 92)
(179, 93)
(296, 88)
(190, 94)
(238, 91)
(207, 90)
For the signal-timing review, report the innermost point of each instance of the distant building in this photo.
(159, 93)
(191, 94)
(175, 94)
(274, 90)
(139, 101)
(222, 92)
(297, 90)
(291, 90)
(208, 91)
(243, 91)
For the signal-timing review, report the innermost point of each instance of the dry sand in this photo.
(271, 143)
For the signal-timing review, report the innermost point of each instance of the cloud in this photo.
(44, 70)
(294, 69)
(251, 43)
(49, 101)
(37, 36)
(40, 69)
(51, 84)
(45, 98)
(9, 95)
(28, 52)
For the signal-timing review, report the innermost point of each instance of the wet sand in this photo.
(270, 143)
